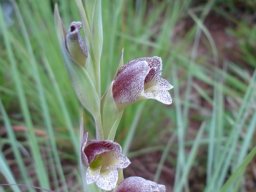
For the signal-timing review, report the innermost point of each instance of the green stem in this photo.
(99, 128)
(120, 176)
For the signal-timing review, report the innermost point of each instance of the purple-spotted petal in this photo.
(139, 184)
(123, 162)
(154, 62)
(129, 82)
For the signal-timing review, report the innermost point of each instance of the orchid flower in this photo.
(141, 79)
(103, 160)
(139, 184)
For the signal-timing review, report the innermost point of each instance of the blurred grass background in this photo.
(204, 141)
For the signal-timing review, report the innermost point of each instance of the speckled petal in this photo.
(129, 82)
(162, 96)
(138, 184)
(154, 62)
(121, 162)
(107, 180)
(162, 84)
(158, 84)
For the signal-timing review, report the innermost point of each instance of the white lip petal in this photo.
(163, 84)
(162, 96)
(159, 84)
(92, 175)
(107, 180)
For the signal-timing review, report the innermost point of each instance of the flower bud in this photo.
(75, 46)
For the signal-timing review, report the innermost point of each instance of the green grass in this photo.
(35, 92)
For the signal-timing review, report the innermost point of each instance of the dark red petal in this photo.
(95, 148)
(151, 74)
